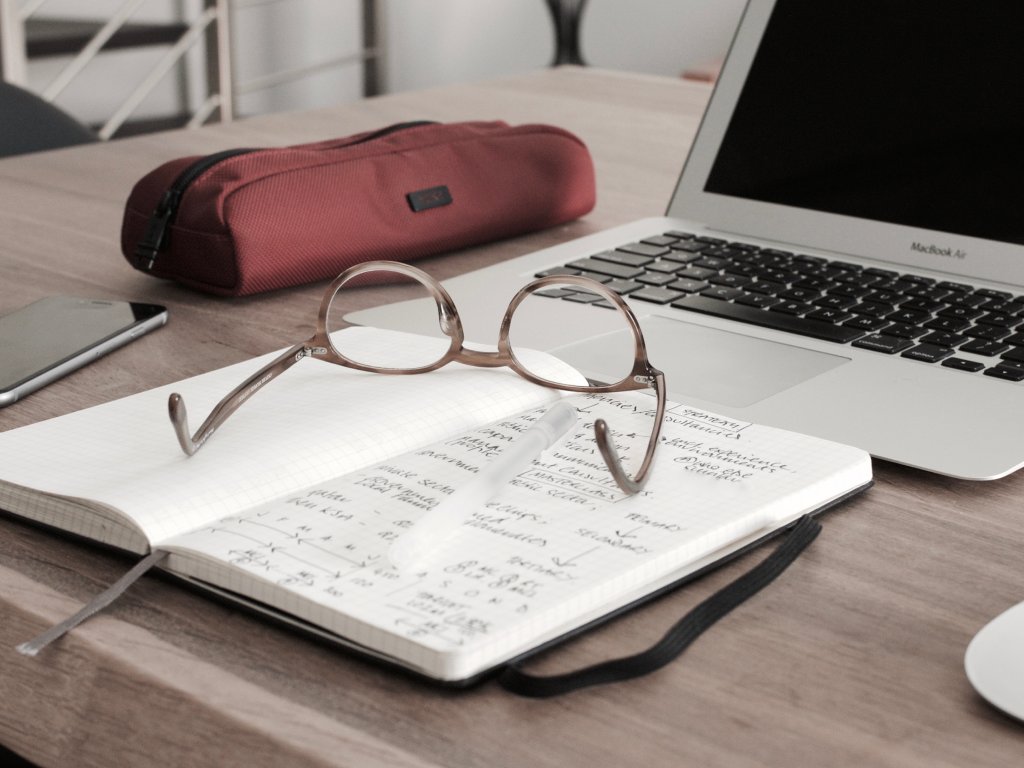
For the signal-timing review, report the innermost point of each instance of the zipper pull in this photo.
(153, 240)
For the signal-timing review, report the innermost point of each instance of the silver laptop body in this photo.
(876, 134)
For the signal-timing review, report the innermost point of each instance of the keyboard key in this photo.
(655, 278)
(836, 273)
(773, 275)
(680, 257)
(775, 320)
(957, 287)
(721, 292)
(680, 234)
(926, 305)
(1005, 372)
(927, 353)
(816, 284)
(857, 278)
(665, 265)
(849, 289)
(696, 273)
(554, 293)
(972, 366)
(988, 293)
(944, 339)
(622, 271)
(622, 287)
(835, 302)
(918, 279)
(863, 323)
(622, 257)
(998, 318)
(642, 249)
(1014, 353)
(1013, 307)
(992, 332)
(740, 268)
(1016, 339)
(879, 272)
(730, 280)
(871, 309)
(984, 347)
(582, 297)
(809, 268)
(905, 330)
(897, 286)
(948, 324)
(711, 262)
(966, 300)
(961, 312)
(596, 277)
(818, 260)
(766, 286)
(885, 297)
(846, 266)
(759, 300)
(557, 271)
(799, 294)
(910, 316)
(930, 292)
(659, 240)
(656, 294)
(827, 314)
(878, 342)
(727, 253)
(688, 285)
(792, 307)
(748, 247)
(691, 246)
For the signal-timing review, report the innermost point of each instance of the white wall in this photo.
(447, 41)
(429, 42)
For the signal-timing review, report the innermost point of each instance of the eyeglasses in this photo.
(639, 373)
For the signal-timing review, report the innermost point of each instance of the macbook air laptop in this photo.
(844, 252)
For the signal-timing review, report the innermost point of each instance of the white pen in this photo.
(431, 530)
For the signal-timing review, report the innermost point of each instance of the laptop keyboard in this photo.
(880, 310)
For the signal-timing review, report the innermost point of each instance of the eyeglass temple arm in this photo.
(230, 403)
(606, 444)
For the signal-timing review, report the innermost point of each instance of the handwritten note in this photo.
(559, 542)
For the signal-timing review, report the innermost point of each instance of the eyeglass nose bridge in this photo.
(481, 358)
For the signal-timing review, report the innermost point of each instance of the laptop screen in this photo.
(908, 112)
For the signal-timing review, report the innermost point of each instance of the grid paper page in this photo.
(83, 471)
(554, 549)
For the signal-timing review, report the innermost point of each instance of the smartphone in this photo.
(51, 337)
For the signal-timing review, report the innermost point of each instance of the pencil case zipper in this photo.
(155, 238)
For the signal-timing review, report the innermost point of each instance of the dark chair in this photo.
(30, 124)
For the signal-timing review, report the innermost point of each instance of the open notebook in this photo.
(292, 506)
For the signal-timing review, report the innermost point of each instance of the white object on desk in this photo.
(439, 523)
(994, 661)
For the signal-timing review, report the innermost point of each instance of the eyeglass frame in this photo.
(642, 375)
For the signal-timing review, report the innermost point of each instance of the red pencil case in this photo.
(244, 221)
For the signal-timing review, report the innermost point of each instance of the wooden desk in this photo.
(855, 657)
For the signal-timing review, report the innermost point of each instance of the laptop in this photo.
(844, 252)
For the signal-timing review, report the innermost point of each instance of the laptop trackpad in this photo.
(710, 364)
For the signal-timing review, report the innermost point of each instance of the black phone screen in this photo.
(48, 332)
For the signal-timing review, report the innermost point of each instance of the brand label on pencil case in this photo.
(425, 199)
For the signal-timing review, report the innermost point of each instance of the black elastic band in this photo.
(679, 637)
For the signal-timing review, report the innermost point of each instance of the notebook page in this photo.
(553, 550)
(315, 422)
